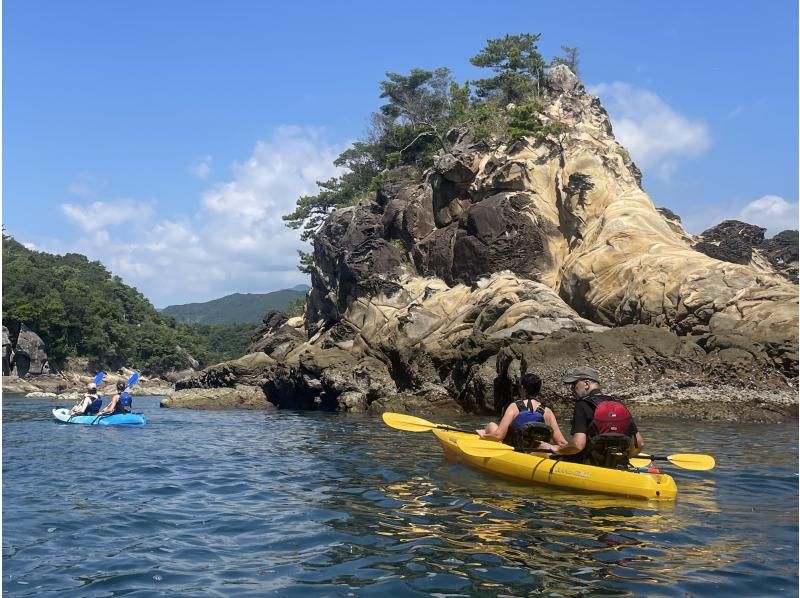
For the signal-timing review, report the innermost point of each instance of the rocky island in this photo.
(533, 253)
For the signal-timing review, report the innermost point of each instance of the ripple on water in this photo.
(287, 504)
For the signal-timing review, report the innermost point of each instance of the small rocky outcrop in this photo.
(187, 359)
(16, 385)
(8, 353)
(278, 334)
(236, 397)
(30, 357)
(249, 370)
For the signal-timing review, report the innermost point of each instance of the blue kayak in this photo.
(119, 419)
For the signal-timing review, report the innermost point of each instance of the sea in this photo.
(241, 503)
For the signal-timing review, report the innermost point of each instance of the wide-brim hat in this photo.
(581, 373)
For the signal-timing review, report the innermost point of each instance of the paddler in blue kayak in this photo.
(120, 402)
(526, 423)
(90, 403)
(603, 430)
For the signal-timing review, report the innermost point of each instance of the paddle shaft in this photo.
(451, 429)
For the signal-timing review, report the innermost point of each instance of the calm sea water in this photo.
(311, 504)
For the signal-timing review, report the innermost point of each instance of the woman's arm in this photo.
(81, 407)
(110, 407)
(499, 431)
(638, 445)
(550, 420)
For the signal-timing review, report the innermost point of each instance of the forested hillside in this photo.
(239, 307)
(79, 309)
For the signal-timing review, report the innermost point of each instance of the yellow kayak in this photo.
(532, 468)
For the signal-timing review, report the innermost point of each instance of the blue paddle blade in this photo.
(132, 380)
(99, 377)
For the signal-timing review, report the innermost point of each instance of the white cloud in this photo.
(100, 214)
(233, 240)
(201, 168)
(772, 212)
(653, 133)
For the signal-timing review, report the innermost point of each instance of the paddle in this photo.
(409, 423)
(131, 381)
(488, 448)
(693, 461)
(97, 380)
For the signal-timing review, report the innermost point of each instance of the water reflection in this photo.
(545, 540)
(327, 505)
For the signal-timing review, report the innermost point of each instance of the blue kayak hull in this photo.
(120, 419)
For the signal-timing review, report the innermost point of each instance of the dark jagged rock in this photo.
(351, 259)
(498, 235)
(781, 251)
(669, 214)
(8, 353)
(731, 241)
(736, 242)
(30, 357)
(276, 337)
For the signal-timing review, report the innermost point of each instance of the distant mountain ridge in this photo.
(238, 307)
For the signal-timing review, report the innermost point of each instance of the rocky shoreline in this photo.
(681, 401)
(71, 386)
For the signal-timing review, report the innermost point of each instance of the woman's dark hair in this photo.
(531, 383)
(120, 386)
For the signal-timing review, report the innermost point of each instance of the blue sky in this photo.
(166, 139)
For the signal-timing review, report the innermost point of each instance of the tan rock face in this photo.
(236, 397)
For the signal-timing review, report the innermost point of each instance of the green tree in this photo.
(518, 64)
(79, 309)
(420, 99)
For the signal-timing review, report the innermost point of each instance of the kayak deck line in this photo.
(534, 468)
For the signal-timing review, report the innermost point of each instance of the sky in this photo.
(167, 139)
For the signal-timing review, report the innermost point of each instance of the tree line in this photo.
(421, 107)
(80, 310)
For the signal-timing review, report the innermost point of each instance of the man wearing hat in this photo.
(585, 384)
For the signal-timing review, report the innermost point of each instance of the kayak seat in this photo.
(526, 438)
(609, 450)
